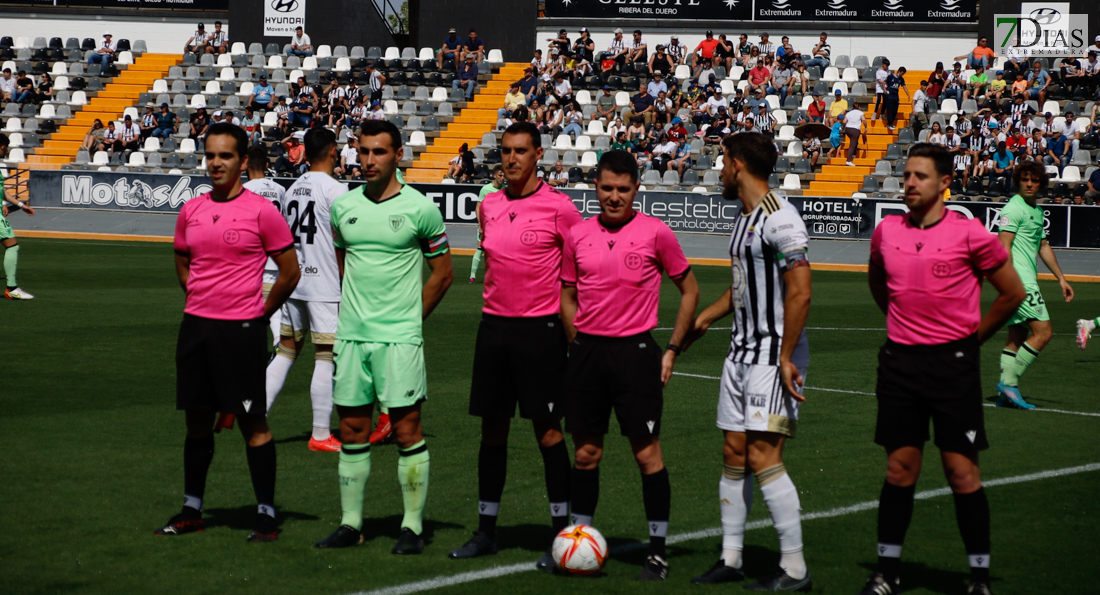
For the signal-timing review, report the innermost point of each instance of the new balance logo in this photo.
(352, 220)
(410, 393)
(248, 406)
(971, 435)
(650, 424)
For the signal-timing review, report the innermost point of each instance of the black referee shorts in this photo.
(941, 383)
(221, 365)
(620, 373)
(518, 360)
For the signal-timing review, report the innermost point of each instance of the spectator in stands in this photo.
(528, 85)
(657, 85)
(105, 52)
(353, 93)
(337, 98)
(617, 50)
(641, 105)
(538, 64)
(348, 166)
(562, 91)
(1073, 74)
(894, 84)
(111, 138)
(585, 47)
(361, 113)
(93, 139)
(148, 121)
(1093, 193)
(785, 53)
(663, 153)
(129, 136)
(724, 52)
(572, 119)
(821, 54)
(816, 110)
(165, 123)
(561, 42)
(7, 86)
(1071, 129)
(24, 88)
(1019, 86)
(661, 62)
(1092, 72)
(551, 121)
(952, 142)
(838, 108)
(282, 110)
(880, 89)
(294, 160)
(997, 88)
(375, 82)
(473, 45)
(512, 100)
(662, 108)
(937, 81)
(836, 137)
(450, 50)
(558, 176)
(764, 121)
(982, 55)
(976, 85)
(811, 147)
(759, 77)
(300, 44)
(780, 80)
(855, 125)
(716, 103)
(1003, 162)
(252, 127)
(676, 129)
(226, 117)
(676, 51)
(219, 40)
(918, 119)
(758, 101)
(199, 123)
(1016, 60)
(467, 77)
(636, 132)
(1057, 151)
(581, 68)
(263, 95)
(197, 42)
(703, 54)
(1038, 80)
(301, 112)
(955, 83)
(766, 47)
(605, 106)
(44, 91)
(621, 144)
(1036, 147)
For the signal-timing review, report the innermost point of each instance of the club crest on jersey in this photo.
(396, 221)
(633, 261)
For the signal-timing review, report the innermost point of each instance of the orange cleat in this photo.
(225, 422)
(330, 444)
(383, 430)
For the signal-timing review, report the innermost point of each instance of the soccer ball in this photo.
(580, 549)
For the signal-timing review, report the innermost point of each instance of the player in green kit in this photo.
(1021, 230)
(494, 186)
(382, 232)
(7, 236)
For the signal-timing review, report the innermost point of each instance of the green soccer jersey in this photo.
(381, 299)
(486, 189)
(1028, 224)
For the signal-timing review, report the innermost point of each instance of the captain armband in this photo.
(794, 258)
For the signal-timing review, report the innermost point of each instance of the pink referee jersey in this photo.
(934, 276)
(228, 243)
(523, 242)
(617, 272)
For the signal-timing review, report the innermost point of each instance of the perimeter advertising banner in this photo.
(146, 4)
(836, 218)
(740, 10)
(936, 11)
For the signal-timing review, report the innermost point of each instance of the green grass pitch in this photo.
(91, 458)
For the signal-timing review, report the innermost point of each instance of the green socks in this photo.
(11, 263)
(412, 474)
(475, 264)
(1014, 365)
(354, 471)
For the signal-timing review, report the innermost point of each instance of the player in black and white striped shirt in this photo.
(763, 374)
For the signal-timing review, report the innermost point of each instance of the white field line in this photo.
(499, 571)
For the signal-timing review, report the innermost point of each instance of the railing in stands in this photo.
(17, 182)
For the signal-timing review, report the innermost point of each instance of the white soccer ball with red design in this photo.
(580, 549)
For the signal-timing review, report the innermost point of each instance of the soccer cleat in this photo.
(14, 293)
(979, 589)
(1083, 333)
(1010, 397)
(408, 544)
(546, 561)
(383, 431)
(344, 536)
(655, 569)
(781, 581)
(330, 444)
(719, 573)
(266, 529)
(473, 280)
(183, 523)
(482, 544)
(878, 584)
(224, 422)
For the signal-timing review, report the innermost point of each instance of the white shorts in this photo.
(269, 280)
(319, 318)
(753, 398)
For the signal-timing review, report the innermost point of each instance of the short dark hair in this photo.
(526, 128)
(756, 151)
(1033, 168)
(497, 169)
(941, 159)
(618, 162)
(376, 127)
(318, 141)
(257, 158)
(229, 129)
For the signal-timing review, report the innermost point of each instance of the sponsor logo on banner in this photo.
(950, 9)
(127, 193)
(281, 17)
(893, 9)
(780, 8)
(836, 8)
(1048, 30)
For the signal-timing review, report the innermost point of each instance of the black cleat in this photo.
(344, 536)
(979, 589)
(184, 522)
(546, 562)
(720, 573)
(266, 530)
(655, 569)
(781, 581)
(482, 544)
(408, 544)
(878, 584)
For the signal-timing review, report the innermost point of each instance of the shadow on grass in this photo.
(244, 517)
(915, 575)
(390, 527)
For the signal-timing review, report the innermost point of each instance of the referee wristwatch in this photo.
(674, 348)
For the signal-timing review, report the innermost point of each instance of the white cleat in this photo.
(1083, 333)
(14, 293)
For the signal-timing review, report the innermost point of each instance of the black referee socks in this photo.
(895, 511)
(555, 460)
(197, 454)
(972, 513)
(261, 465)
(657, 497)
(492, 468)
(585, 494)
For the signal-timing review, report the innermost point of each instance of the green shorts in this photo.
(1033, 308)
(6, 232)
(391, 373)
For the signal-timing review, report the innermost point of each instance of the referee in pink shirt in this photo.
(926, 275)
(611, 288)
(223, 240)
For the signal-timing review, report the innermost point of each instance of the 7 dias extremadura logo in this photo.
(1044, 32)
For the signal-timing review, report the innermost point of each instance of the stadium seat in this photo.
(870, 184)
(416, 139)
(563, 142)
(1051, 107)
(883, 168)
(588, 159)
(849, 75)
(495, 56)
(842, 86)
(891, 185)
(1081, 158)
(392, 53)
(137, 159)
(843, 61)
(794, 149)
(1071, 174)
(969, 106)
(792, 182)
(786, 133)
(683, 72)
(152, 145)
(831, 74)
(859, 89)
(861, 62)
(949, 106)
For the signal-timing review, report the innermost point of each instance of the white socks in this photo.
(277, 370)
(276, 324)
(320, 393)
(781, 498)
(735, 497)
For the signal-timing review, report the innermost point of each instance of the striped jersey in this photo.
(307, 207)
(764, 242)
